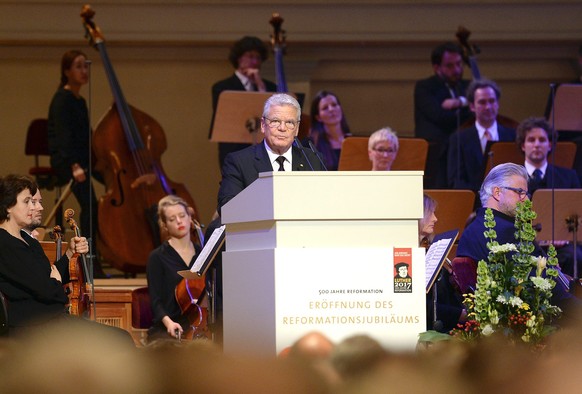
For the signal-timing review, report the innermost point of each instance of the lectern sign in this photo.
(333, 294)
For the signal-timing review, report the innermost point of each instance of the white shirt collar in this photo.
(288, 165)
(244, 80)
(530, 168)
(492, 131)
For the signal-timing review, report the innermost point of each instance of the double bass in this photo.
(128, 145)
(279, 45)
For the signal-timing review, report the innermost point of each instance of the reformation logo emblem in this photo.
(402, 270)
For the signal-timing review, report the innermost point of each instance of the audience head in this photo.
(504, 187)
(429, 219)
(248, 52)
(483, 96)
(74, 68)
(534, 137)
(356, 356)
(280, 122)
(174, 215)
(382, 149)
(16, 194)
(312, 346)
(447, 62)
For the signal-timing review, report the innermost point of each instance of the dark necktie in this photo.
(280, 160)
(537, 176)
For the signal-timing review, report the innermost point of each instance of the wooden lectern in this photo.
(317, 251)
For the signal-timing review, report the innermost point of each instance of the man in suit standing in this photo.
(466, 160)
(279, 125)
(440, 107)
(246, 55)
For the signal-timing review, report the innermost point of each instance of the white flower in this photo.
(541, 265)
(501, 298)
(541, 283)
(503, 248)
(487, 330)
(515, 301)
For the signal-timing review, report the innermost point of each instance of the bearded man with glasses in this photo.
(502, 189)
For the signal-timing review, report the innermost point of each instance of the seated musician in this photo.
(31, 285)
(449, 307)
(382, 149)
(177, 253)
(502, 189)
(534, 138)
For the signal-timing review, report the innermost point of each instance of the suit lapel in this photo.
(262, 162)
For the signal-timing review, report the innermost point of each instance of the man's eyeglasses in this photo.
(522, 193)
(275, 123)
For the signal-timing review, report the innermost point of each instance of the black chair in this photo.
(37, 145)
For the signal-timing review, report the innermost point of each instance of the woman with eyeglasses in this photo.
(382, 149)
(329, 127)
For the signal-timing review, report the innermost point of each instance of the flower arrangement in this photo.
(510, 297)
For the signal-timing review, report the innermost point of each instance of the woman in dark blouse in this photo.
(177, 253)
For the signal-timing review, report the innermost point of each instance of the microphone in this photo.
(316, 153)
(300, 147)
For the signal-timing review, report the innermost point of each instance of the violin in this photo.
(79, 290)
(128, 144)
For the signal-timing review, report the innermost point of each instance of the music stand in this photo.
(238, 116)
(561, 222)
(565, 114)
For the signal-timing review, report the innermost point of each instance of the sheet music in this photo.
(208, 248)
(434, 255)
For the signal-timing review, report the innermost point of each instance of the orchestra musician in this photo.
(177, 253)
(69, 135)
(502, 189)
(246, 56)
(31, 285)
(440, 107)
(329, 127)
(382, 149)
(449, 306)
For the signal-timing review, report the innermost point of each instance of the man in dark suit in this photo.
(466, 160)
(246, 55)
(440, 107)
(279, 125)
(534, 137)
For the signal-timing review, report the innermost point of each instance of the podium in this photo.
(316, 251)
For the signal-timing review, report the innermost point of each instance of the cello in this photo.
(128, 145)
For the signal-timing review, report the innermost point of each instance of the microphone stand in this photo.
(300, 147)
(317, 154)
